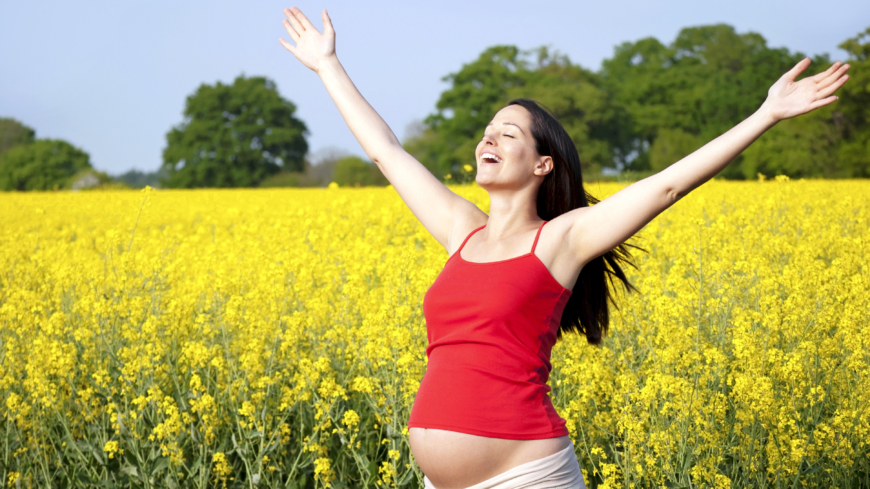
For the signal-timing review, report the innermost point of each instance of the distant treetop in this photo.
(234, 136)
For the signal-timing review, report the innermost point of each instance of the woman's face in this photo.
(506, 156)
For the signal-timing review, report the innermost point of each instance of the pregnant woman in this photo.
(511, 285)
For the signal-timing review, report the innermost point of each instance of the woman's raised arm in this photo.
(430, 201)
(597, 229)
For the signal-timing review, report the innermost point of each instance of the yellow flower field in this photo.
(275, 338)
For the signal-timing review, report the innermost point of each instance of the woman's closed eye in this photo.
(506, 135)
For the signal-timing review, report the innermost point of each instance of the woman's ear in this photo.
(544, 166)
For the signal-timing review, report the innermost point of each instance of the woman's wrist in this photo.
(329, 64)
(766, 114)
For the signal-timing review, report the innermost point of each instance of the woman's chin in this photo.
(490, 182)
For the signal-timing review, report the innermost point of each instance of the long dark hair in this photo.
(561, 191)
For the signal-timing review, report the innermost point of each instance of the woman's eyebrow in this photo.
(510, 123)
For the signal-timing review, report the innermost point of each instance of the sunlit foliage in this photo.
(652, 103)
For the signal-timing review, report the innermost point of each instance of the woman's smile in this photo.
(489, 157)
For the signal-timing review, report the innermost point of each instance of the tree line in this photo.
(28, 163)
(652, 104)
(648, 106)
(239, 135)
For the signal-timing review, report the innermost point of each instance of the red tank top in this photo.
(491, 327)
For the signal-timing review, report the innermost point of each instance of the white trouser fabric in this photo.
(558, 471)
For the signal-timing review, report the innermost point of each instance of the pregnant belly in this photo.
(453, 460)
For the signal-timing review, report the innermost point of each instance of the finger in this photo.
(288, 46)
(295, 23)
(798, 68)
(832, 78)
(327, 23)
(821, 76)
(833, 88)
(290, 30)
(302, 18)
(821, 103)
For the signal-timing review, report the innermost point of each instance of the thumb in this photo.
(327, 23)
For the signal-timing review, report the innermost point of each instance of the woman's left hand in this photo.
(789, 98)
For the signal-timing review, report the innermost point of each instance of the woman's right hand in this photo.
(312, 48)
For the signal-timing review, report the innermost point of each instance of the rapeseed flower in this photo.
(273, 334)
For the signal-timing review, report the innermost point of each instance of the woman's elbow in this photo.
(383, 154)
(673, 196)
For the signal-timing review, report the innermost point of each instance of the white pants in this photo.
(558, 471)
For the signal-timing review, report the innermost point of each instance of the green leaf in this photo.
(272, 446)
(98, 454)
(161, 465)
(196, 465)
(409, 476)
(169, 481)
(392, 433)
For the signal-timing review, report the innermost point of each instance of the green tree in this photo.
(451, 133)
(575, 95)
(44, 164)
(671, 145)
(14, 133)
(652, 104)
(805, 146)
(709, 79)
(853, 115)
(355, 171)
(480, 88)
(234, 136)
(635, 77)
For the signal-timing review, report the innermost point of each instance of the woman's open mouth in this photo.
(487, 157)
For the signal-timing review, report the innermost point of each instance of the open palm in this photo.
(312, 47)
(789, 98)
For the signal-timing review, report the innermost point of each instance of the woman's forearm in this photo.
(692, 171)
(367, 126)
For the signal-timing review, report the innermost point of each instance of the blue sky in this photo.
(112, 77)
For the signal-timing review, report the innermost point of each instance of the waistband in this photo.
(560, 470)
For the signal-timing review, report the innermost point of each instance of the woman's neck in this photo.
(511, 212)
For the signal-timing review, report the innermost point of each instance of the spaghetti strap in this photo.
(536, 238)
(466, 240)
